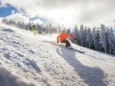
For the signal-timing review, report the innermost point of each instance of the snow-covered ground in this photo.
(37, 60)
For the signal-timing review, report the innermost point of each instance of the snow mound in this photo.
(8, 79)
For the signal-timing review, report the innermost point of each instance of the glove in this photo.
(58, 41)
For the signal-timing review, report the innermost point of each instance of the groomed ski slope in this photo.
(37, 60)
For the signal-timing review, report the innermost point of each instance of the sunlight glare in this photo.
(62, 16)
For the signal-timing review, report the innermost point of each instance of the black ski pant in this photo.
(66, 42)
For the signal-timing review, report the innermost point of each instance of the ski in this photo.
(76, 50)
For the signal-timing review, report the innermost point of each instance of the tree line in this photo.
(98, 38)
(41, 29)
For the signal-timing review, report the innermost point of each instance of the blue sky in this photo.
(7, 10)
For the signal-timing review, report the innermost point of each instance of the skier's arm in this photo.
(58, 38)
(71, 36)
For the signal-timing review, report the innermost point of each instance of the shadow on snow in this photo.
(91, 76)
(7, 30)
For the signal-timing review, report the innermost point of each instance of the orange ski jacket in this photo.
(63, 36)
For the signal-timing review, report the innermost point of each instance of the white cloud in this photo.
(69, 12)
(1, 19)
(21, 18)
(37, 21)
(18, 18)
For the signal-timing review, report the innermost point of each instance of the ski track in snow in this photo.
(37, 60)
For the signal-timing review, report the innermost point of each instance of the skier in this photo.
(63, 38)
(33, 29)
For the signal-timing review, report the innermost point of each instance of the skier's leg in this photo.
(67, 42)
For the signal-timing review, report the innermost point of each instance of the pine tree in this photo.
(89, 39)
(82, 36)
(111, 41)
(76, 34)
(95, 37)
(102, 39)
